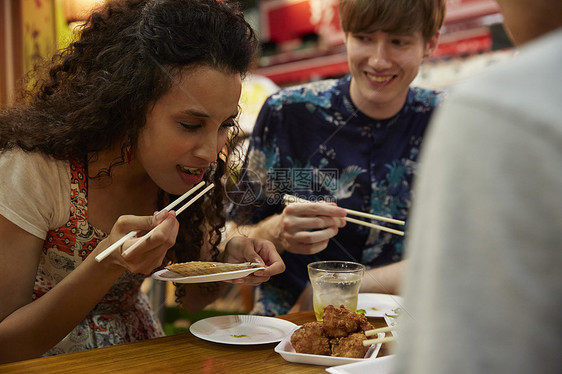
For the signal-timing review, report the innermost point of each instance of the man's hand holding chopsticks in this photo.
(306, 228)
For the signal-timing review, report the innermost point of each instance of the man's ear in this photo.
(432, 44)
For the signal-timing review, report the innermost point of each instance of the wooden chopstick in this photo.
(293, 199)
(194, 199)
(382, 228)
(381, 329)
(118, 243)
(147, 235)
(375, 217)
(386, 339)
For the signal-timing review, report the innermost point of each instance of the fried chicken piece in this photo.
(364, 324)
(350, 346)
(340, 322)
(310, 338)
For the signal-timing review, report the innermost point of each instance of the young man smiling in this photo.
(352, 141)
(384, 55)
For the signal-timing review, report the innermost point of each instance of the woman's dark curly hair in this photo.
(98, 90)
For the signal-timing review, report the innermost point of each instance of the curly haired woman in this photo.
(139, 109)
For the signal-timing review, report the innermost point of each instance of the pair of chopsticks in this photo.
(295, 199)
(386, 339)
(132, 234)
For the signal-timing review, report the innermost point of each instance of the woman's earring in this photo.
(129, 153)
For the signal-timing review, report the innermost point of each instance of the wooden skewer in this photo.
(291, 198)
(131, 234)
(381, 329)
(147, 235)
(386, 339)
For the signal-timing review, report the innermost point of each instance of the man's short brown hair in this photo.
(393, 16)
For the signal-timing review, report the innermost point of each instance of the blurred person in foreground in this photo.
(139, 109)
(483, 291)
(352, 143)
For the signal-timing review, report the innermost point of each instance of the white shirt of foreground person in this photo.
(483, 292)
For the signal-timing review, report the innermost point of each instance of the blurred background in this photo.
(301, 41)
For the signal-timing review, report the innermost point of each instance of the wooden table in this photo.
(181, 353)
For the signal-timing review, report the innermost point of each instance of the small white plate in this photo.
(167, 275)
(381, 365)
(379, 304)
(286, 350)
(242, 329)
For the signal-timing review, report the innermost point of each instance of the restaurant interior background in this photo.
(301, 41)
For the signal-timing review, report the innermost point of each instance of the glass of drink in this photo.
(334, 283)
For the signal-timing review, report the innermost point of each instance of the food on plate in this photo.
(350, 346)
(310, 338)
(340, 334)
(339, 322)
(189, 269)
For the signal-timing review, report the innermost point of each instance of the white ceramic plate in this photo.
(379, 304)
(242, 329)
(381, 365)
(167, 275)
(286, 350)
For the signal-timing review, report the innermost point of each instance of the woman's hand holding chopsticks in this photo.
(157, 239)
(118, 243)
(148, 255)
